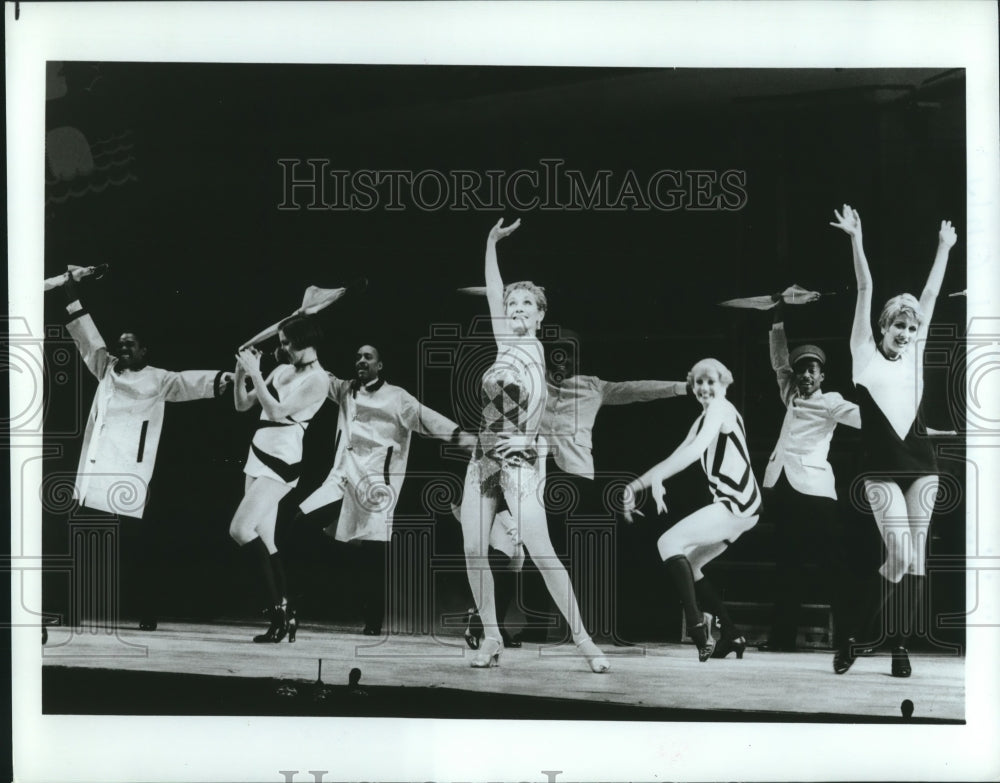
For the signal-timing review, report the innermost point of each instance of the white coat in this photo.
(125, 422)
(806, 432)
(374, 428)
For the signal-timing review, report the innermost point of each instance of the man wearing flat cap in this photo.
(800, 481)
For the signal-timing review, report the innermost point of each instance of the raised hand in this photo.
(249, 360)
(848, 221)
(499, 231)
(947, 235)
(71, 288)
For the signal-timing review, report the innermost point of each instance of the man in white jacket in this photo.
(122, 436)
(375, 424)
(801, 501)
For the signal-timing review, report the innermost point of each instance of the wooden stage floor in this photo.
(653, 681)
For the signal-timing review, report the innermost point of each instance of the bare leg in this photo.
(253, 526)
(687, 547)
(535, 534)
(257, 512)
(702, 535)
(701, 556)
(893, 521)
(919, 499)
(477, 519)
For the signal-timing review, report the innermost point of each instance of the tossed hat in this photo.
(807, 352)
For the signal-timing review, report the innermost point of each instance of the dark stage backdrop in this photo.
(184, 201)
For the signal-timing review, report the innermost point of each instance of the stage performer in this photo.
(375, 423)
(505, 463)
(289, 397)
(800, 490)
(898, 462)
(571, 407)
(118, 457)
(718, 439)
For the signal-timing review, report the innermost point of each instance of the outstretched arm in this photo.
(427, 421)
(189, 385)
(861, 332)
(946, 240)
(627, 392)
(494, 283)
(687, 453)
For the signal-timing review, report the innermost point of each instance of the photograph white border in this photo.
(620, 34)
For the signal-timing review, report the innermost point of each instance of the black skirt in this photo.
(884, 453)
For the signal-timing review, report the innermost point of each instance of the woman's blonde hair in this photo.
(904, 304)
(714, 365)
(536, 290)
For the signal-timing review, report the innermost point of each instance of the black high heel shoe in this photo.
(726, 646)
(278, 628)
(508, 640)
(900, 662)
(702, 638)
(473, 630)
(845, 656)
(293, 625)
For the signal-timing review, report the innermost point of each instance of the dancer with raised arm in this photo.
(799, 482)
(118, 457)
(505, 462)
(718, 439)
(898, 464)
(573, 402)
(289, 397)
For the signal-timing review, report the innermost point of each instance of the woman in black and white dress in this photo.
(898, 465)
(505, 465)
(289, 397)
(718, 440)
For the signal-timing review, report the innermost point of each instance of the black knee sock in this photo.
(907, 610)
(373, 557)
(259, 550)
(503, 582)
(679, 569)
(710, 600)
(921, 623)
(280, 582)
(878, 619)
(150, 578)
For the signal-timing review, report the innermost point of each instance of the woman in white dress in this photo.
(289, 397)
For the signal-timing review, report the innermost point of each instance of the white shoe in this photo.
(488, 654)
(599, 664)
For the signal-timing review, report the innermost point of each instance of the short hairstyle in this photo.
(138, 334)
(725, 377)
(378, 351)
(536, 290)
(301, 331)
(904, 304)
